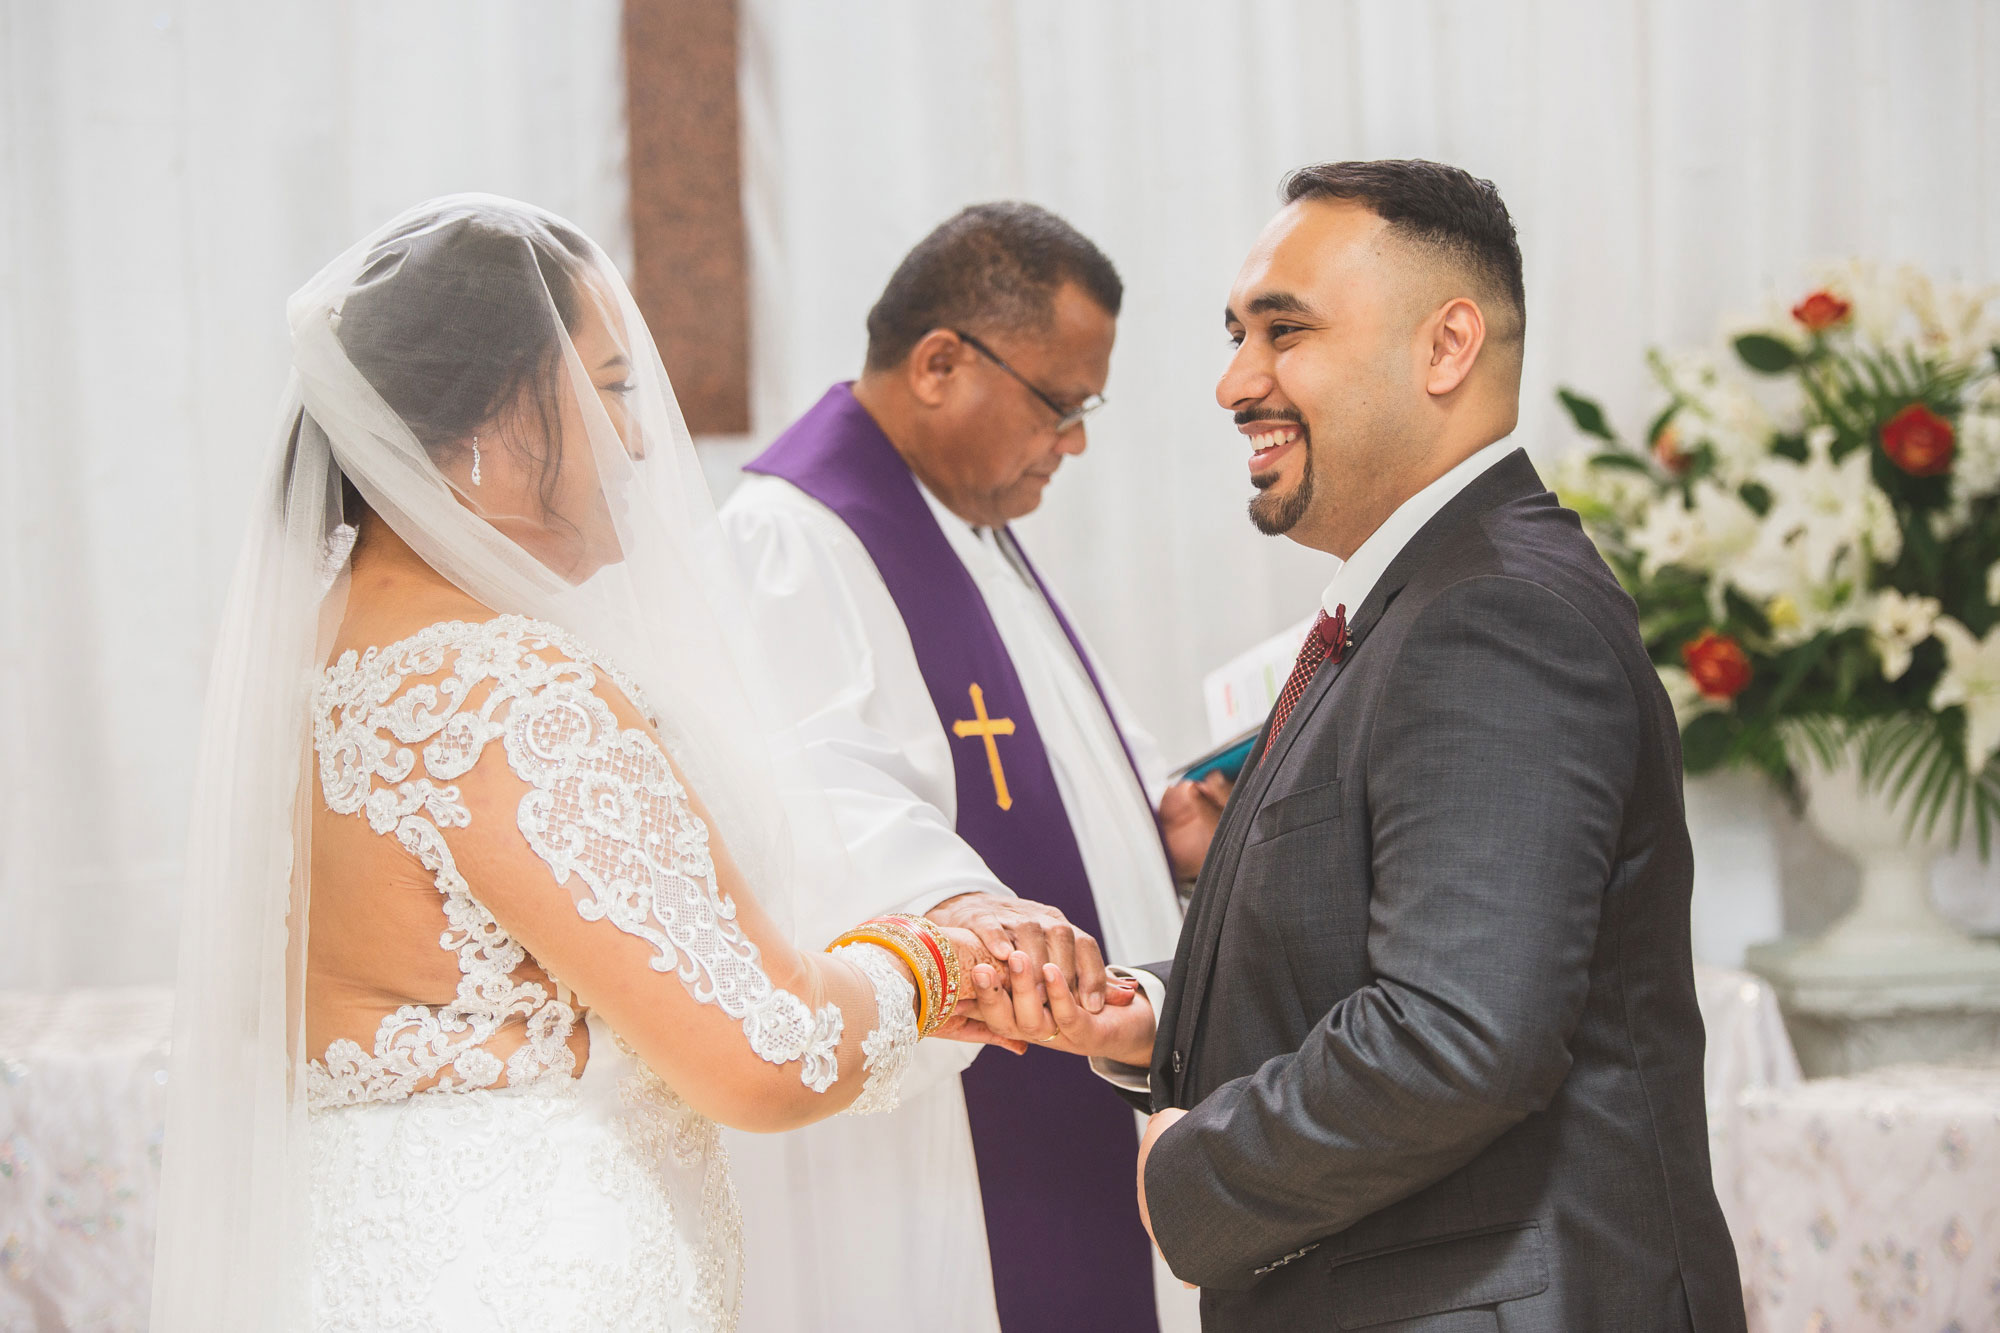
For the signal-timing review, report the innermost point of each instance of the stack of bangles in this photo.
(927, 951)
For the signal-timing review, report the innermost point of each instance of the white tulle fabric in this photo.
(268, 1211)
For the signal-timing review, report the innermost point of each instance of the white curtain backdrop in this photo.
(169, 172)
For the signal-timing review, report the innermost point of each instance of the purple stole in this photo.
(1057, 1152)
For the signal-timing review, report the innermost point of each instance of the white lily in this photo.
(1622, 495)
(1882, 297)
(1729, 527)
(1670, 535)
(1800, 597)
(1961, 323)
(1710, 532)
(1719, 412)
(1825, 505)
(1975, 465)
(1971, 681)
(1896, 625)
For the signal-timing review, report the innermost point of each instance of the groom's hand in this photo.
(1012, 1004)
(1160, 1122)
(1007, 926)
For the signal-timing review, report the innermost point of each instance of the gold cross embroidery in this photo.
(986, 729)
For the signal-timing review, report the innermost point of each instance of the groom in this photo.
(1428, 1056)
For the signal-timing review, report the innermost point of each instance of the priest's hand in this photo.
(1189, 812)
(1006, 926)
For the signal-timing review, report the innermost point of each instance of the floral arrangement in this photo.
(1812, 535)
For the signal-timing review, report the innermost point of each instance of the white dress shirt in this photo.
(875, 1222)
(1357, 575)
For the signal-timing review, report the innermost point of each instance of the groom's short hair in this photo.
(991, 267)
(1444, 210)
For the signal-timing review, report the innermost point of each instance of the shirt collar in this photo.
(1358, 574)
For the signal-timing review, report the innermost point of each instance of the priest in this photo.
(976, 756)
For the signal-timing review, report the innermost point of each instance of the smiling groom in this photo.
(1428, 1057)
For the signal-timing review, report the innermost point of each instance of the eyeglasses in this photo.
(1068, 417)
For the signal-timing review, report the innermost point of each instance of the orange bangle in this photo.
(910, 945)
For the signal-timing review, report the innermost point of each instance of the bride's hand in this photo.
(962, 1025)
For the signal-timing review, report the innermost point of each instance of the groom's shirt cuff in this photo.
(1132, 1078)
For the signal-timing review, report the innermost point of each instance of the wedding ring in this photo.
(1051, 1037)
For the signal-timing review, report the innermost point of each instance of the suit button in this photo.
(1177, 1062)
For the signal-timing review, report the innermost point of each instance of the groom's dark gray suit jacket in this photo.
(1433, 1009)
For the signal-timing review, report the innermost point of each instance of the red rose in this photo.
(1821, 311)
(1919, 441)
(1720, 667)
(1667, 451)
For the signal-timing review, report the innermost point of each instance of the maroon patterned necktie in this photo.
(1324, 643)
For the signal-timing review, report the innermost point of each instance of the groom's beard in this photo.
(1276, 515)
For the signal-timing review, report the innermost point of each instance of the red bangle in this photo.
(922, 927)
(937, 955)
(945, 975)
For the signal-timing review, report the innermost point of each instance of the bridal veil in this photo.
(233, 1250)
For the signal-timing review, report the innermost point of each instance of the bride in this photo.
(490, 918)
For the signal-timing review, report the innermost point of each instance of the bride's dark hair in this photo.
(449, 323)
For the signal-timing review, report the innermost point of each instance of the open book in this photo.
(1239, 695)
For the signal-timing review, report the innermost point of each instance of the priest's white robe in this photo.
(874, 1222)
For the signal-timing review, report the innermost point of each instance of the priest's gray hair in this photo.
(991, 267)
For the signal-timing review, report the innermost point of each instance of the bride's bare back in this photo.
(500, 841)
(377, 914)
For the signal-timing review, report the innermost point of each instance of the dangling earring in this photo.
(475, 460)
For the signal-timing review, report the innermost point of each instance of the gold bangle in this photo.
(954, 979)
(904, 942)
(931, 945)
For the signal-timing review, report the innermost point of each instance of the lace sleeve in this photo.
(888, 1047)
(607, 814)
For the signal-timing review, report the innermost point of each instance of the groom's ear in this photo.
(931, 366)
(1457, 333)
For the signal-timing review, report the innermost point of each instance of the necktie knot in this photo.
(1331, 630)
(1326, 642)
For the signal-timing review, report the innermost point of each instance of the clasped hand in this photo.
(1037, 979)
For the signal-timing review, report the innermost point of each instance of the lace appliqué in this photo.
(605, 807)
(608, 809)
(888, 1048)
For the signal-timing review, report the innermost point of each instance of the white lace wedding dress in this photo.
(453, 1188)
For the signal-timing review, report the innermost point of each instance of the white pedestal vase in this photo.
(1892, 981)
(1737, 899)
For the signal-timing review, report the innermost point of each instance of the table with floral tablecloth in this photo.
(1872, 1202)
(83, 1079)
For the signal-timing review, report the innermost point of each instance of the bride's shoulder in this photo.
(504, 649)
(443, 692)
(384, 666)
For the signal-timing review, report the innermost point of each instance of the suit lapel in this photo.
(1513, 477)
(1235, 831)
